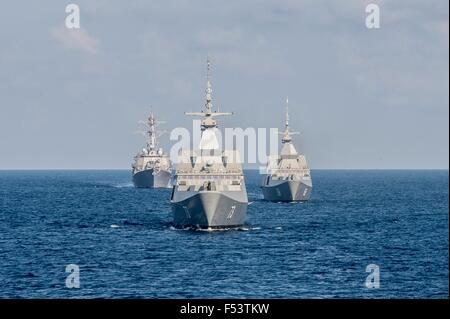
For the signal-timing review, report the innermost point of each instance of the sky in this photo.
(361, 98)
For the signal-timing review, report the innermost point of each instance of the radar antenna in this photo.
(151, 132)
(287, 138)
(208, 115)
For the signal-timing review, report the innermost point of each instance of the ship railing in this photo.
(288, 170)
(186, 180)
(292, 174)
(210, 172)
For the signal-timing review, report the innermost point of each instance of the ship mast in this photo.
(208, 121)
(208, 91)
(151, 144)
(287, 138)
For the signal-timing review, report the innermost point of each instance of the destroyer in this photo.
(151, 167)
(287, 176)
(209, 189)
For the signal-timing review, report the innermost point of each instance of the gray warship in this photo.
(287, 177)
(151, 167)
(209, 189)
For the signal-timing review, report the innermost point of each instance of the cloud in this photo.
(76, 39)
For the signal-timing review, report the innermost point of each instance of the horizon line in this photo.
(245, 168)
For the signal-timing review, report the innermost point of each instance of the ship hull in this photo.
(209, 209)
(287, 191)
(149, 179)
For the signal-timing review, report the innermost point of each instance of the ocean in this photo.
(122, 240)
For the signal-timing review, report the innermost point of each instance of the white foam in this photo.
(122, 185)
(210, 229)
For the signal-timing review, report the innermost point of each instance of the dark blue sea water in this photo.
(123, 242)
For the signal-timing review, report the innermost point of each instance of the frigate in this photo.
(287, 176)
(209, 189)
(152, 167)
